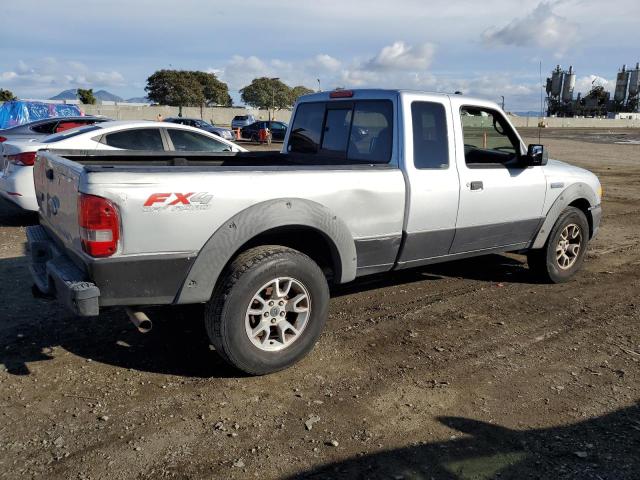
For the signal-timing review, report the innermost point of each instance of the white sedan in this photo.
(17, 158)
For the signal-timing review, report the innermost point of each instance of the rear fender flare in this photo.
(569, 195)
(225, 243)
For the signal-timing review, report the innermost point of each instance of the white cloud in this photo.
(586, 83)
(400, 56)
(542, 27)
(48, 76)
(325, 62)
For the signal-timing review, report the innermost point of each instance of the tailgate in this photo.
(56, 181)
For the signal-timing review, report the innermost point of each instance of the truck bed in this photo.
(99, 161)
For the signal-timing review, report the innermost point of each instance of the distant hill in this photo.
(66, 95)
(108, 96)
(138, 100)
(72, 94)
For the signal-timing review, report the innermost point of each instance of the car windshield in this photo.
(241, 117)
(70, 133)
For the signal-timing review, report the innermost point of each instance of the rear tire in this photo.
(563, 253)
(276, 291)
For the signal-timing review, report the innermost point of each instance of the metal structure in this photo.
(560, 86)
(597, 102)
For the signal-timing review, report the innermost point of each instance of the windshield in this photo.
(70, 133)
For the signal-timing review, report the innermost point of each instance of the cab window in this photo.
(430, 140)
(489, 141)
(344, 131)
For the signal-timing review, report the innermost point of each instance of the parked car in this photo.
(202, 125)
(368, 181)
(240, 121)
(47, 126)
(252, 132)
(17, 158)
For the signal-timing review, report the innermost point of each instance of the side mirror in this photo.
(536, 155)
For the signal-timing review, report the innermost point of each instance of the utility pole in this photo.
(502, 96)
(273, 98)
(319, 87)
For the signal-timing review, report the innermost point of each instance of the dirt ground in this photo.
(462, 371)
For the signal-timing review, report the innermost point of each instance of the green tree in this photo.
(183, 88)
(86, 96)
(6, 95)
(298, 92)
(214, 91)
(266, 93)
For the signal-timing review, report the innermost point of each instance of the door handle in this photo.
(49, 173)
(477, 185)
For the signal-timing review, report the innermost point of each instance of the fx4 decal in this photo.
(175, 201)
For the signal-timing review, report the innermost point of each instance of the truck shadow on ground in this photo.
(12, 216)
(178, 343)
(604, 447)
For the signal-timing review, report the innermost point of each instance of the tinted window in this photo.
(488, 138)
(430, 143)
(46, 128)
(136, 139)
(185, 141)
(371, 134)
(336, 131)
(360, 131)
(307, 127)
(69, 134)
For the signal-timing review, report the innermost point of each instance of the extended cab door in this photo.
(432, 179)
(501, 200)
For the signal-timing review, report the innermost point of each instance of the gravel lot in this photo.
(458, 371)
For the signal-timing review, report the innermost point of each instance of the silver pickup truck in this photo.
(368, 181)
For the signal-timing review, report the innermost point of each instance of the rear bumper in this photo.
(54, 274)
(118, 281)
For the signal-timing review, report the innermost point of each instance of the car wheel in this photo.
(563, 254)
(268, 309)
(254, 138)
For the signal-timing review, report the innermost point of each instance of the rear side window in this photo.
(185, 141)
(69, 134)
(430, 142)
(357, 132)
(45, 128)
(137, 139)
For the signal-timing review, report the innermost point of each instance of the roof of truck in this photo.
(384, 93)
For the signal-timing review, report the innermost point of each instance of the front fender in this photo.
(223, 245)
(573, 192)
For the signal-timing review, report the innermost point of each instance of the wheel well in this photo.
(307, 240)
(584, 205)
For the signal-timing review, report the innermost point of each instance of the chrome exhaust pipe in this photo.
(140, 320)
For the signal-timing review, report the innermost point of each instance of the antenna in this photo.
(541, 105)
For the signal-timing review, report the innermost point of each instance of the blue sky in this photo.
(484, 48)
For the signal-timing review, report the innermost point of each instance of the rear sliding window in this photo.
(352, 131)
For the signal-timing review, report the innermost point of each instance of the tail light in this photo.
(3, 139)
(26, 159)
(99, 225)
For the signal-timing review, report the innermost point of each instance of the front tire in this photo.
(563, 253)
(268, 309)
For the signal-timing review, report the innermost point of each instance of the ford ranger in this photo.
(368, 181)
